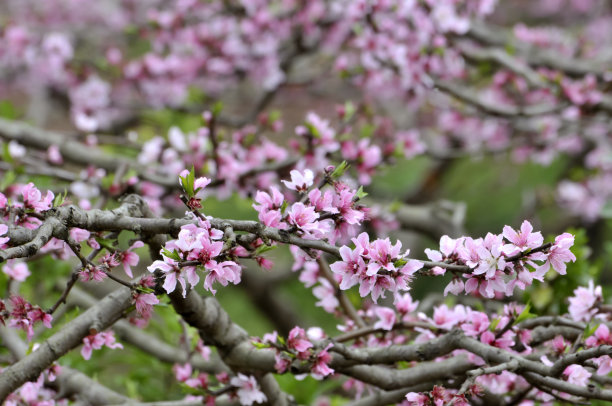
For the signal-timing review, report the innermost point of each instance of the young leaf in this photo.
(525, 314)
(340, 169)
(360, 193)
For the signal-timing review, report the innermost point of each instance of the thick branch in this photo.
(148, 343)
(104, 314)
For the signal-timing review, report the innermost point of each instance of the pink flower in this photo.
(490, 256)
(302, 216)
(455, 287)
(310, 274)
(129, 259)
(522, 240)
(417, 399)
(404, 303)
(272, 218)
(3, 231)
(559, 254)
(144, 303)
(224, 272)
(323, 133)
(322, 201)
(582, 304)
(376, 285)
(386, 318)
(559, 344)
(182, 372)
(326, 294)
(582, 92)
(383, 254)
(78, 234)
(446, 318)
(297, 341)
(604, 364)
(268, 202)
(305, 218)
(97, 341)
(92, 273)
(404, 275)
(173, 273)
(320, 368)
(447, 19)
(447, 248)
(600, 337)
(351, 268)
(17, 270)
(345, 204)
(203, 350)
(410, 143)
(248, 390)
(577, 374)
(281, 364)
(32, 198)
(54, 155)
(300, 182)
(206, 249)
(476, 323)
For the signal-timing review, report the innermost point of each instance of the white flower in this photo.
(248, 390)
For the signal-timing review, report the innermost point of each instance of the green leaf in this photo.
(217, 108)
(60, 198)
(260, 346)
(274, 116)
(340, 169)
(8, 179)
(360, 193)
(494, 324)
(188, 182)
(349, 111)
(7, 110)
(313, 130)
(367, 131)
(525, 314)
(590, 330)
(400, 262)
(171, 254)
(395, 206)
(264, 248)
(6, 155)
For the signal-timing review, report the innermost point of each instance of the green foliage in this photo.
(188, 183)
(339, 170)
(8, 110)
(525, 314)
(60, 198)
(308, 390)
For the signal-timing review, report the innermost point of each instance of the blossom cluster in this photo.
(504, 331)
(37, 392)
(238, 163)
(23, 315)
(375, 266)
(25, 200)
(501, 263)
(144, 300)
(97, 341)
(496, 264)
(300, 345)
(330, 214)
(199, 246)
